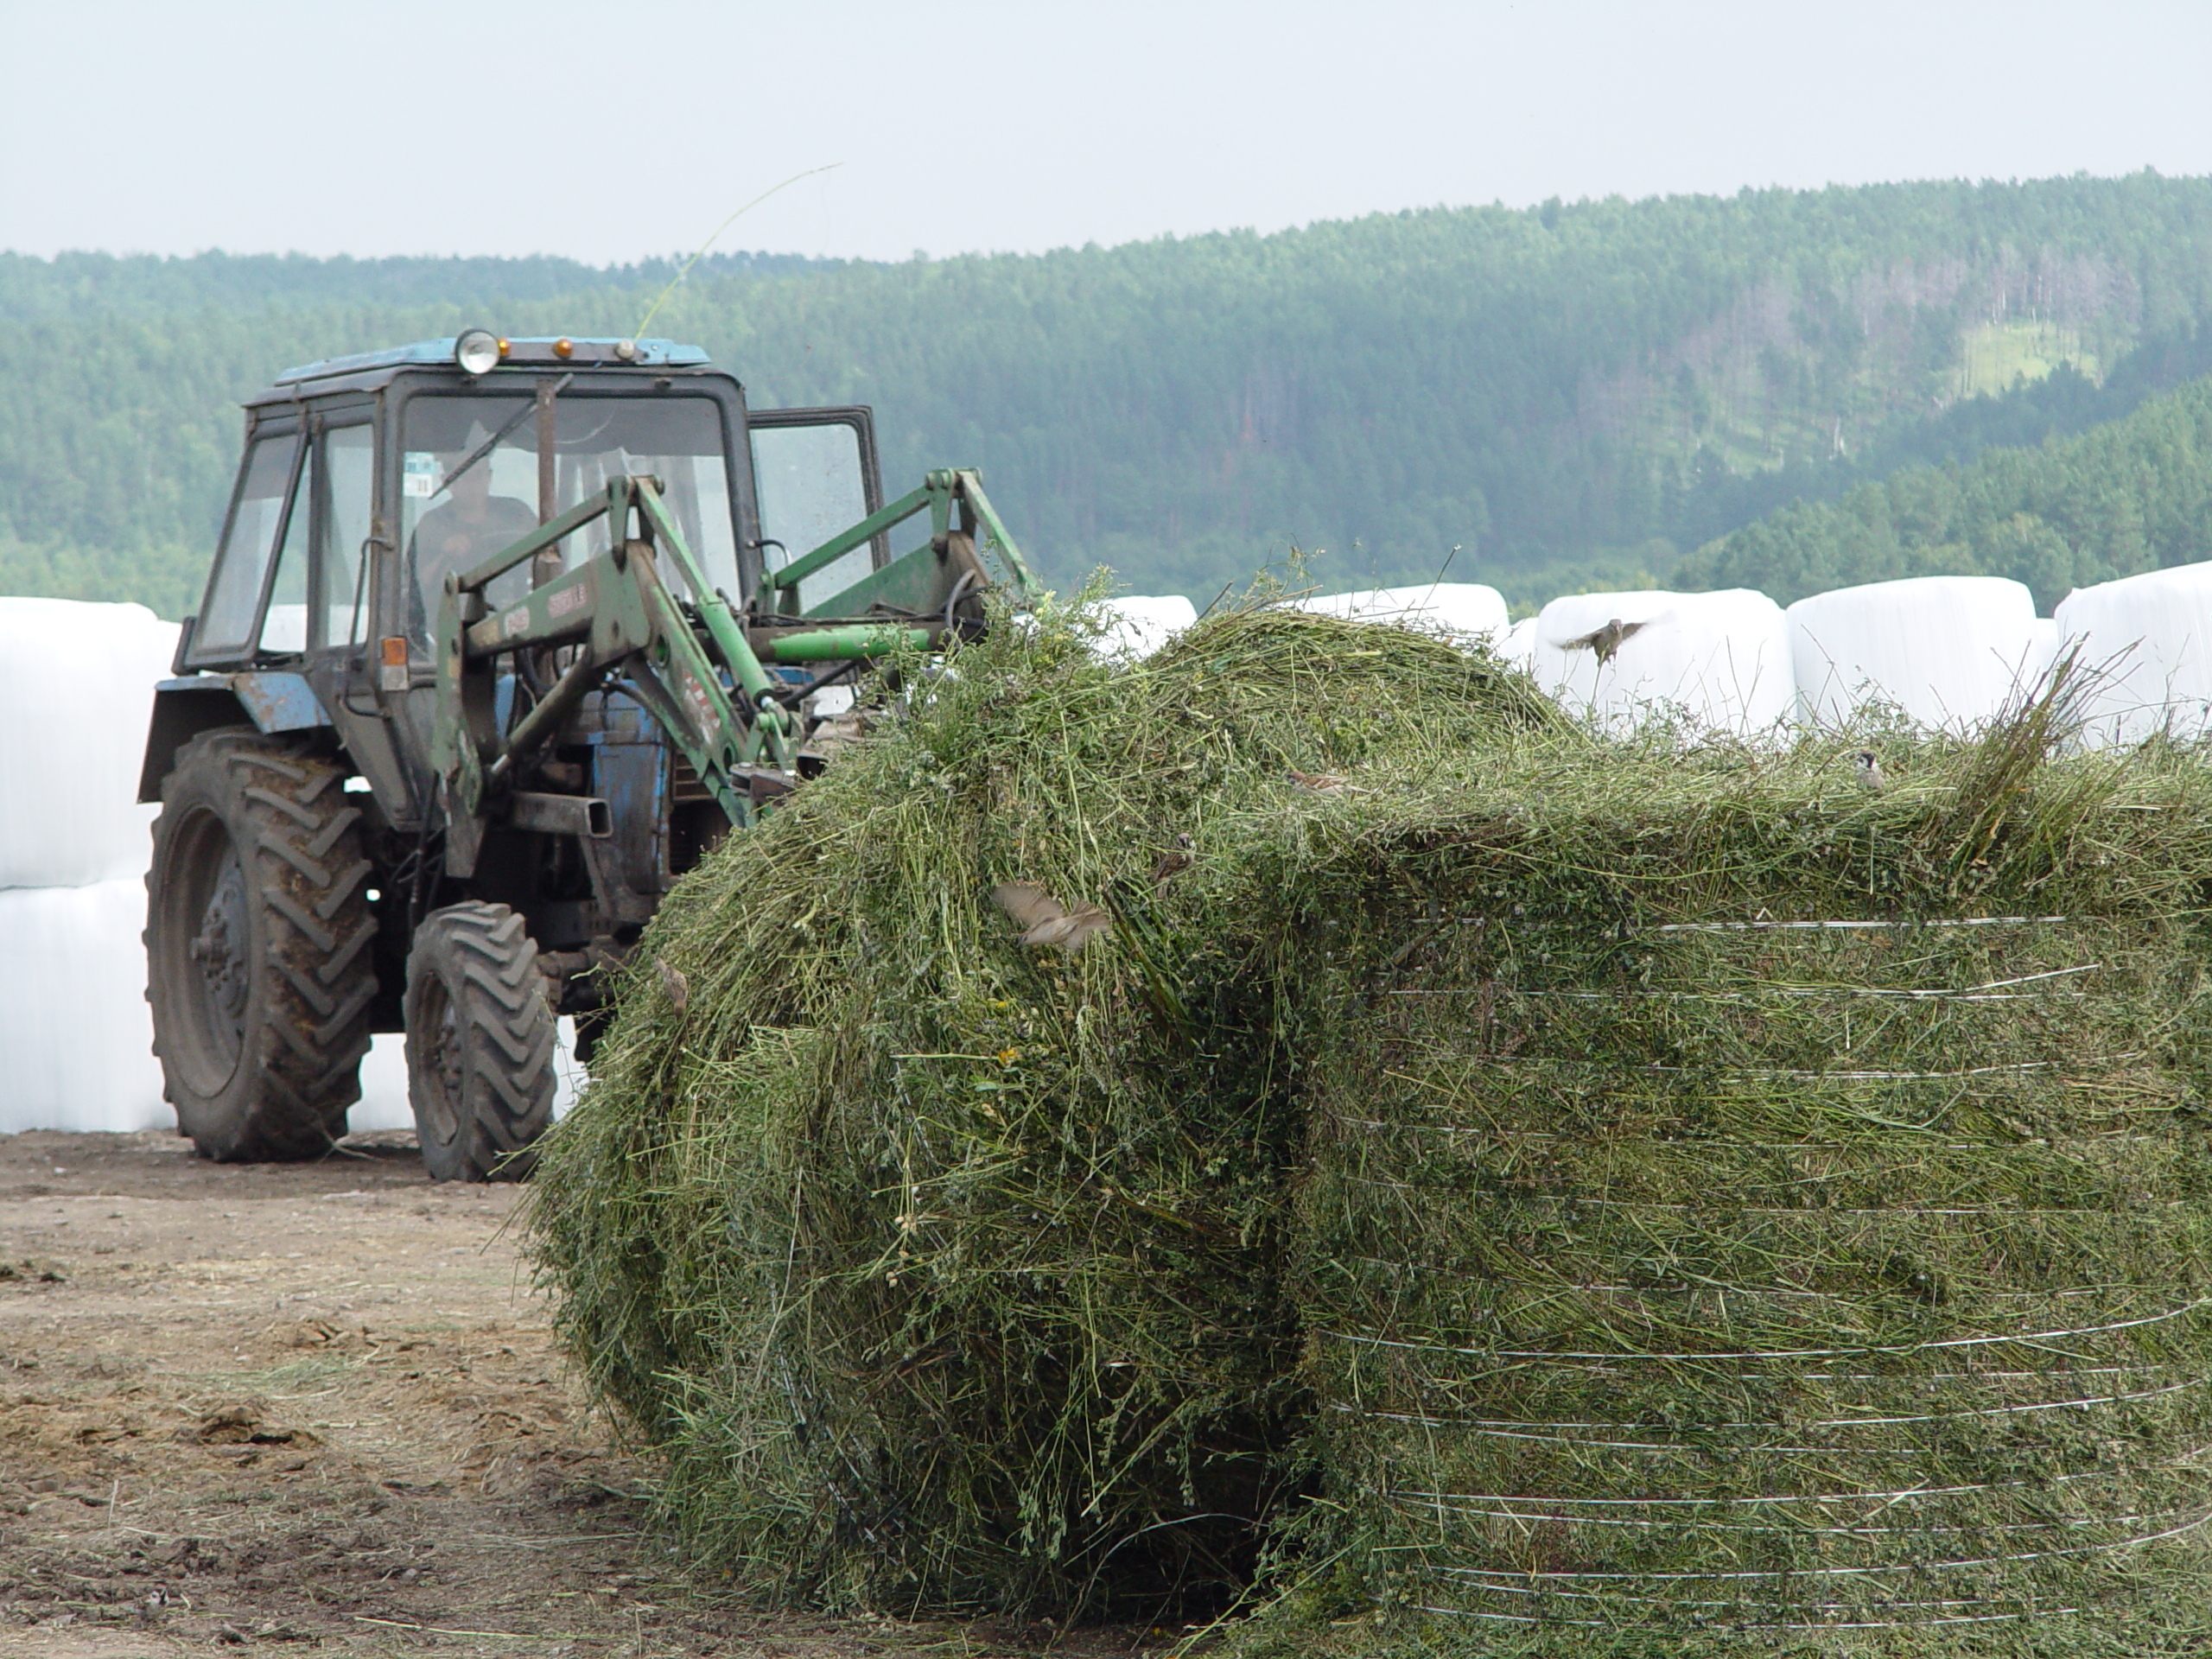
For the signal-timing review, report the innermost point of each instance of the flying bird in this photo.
(1870, 771)
(1044, 920)
(1608, 639)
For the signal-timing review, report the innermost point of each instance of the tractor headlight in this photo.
(477, 351)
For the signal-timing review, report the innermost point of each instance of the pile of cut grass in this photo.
(1459, 1186)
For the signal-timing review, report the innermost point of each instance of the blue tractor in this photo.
(501, 637)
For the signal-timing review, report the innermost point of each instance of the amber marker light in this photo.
(564, 348)
(393, 665)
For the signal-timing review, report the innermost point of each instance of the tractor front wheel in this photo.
(480, 1043)
(258, 926)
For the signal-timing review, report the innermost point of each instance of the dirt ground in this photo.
(318, 1407)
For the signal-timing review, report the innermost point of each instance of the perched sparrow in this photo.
(1606, 640)
(672, 981)
(1870, 771)
(1172, 863)
(1046, 920)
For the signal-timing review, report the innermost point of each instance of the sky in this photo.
(606, 132)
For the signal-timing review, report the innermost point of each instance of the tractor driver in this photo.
(469, 528)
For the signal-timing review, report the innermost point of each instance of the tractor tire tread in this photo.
(304, 920)
(339, 964)
(487, 964)
(341, 889)
(298, 857)
(299, 846)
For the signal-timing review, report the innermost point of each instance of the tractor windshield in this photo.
(453, 526)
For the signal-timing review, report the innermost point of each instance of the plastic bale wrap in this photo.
(74, 1026)
(2149, 639)
(1138, 625)
(943, 1272)
(1519, 645)
(1949, 651)
(79, 682)
(1752, 1213)
(1466, 613)
(1719, 661)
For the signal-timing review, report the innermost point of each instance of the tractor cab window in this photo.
(349, 479)
(813, 481)
(454, 515)
(284, 623)
(224, 630)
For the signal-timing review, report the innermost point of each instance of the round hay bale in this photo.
(945, 1271)
(1750, 1210)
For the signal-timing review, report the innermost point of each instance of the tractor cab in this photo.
(366, 480)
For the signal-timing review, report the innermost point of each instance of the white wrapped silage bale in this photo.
(384, 1104)
(75, 1032)
(1721, 659)
(2043, 650)
(77, 682)
(1519, 645)
(1142, 625)
(1464, 612)
(1948, 651)
(83, 1039)
(2147, 643)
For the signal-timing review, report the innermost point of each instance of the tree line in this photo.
(1551, 398)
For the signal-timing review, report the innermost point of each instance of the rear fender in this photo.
(271, 699)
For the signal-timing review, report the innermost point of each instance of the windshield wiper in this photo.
(500, 436)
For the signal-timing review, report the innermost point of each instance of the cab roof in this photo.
(550, 350)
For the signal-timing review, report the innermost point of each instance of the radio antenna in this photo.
(679, 280)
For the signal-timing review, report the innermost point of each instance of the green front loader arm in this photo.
(704, 683)
(958, 509)
(617, 615)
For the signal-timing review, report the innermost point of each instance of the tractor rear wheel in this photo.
(480, 1043)
(257, 932)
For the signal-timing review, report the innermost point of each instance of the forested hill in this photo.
(1570, 395)
(2135, 494)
